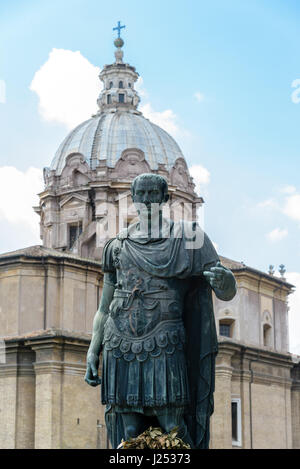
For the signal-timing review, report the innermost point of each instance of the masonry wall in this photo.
(45, 293)
(259, 302)
(295, 401)
(45, 403)
(47, 306)
(261, 380)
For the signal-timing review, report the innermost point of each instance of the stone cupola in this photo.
(118, 80)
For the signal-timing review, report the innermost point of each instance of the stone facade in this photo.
(260, 381)
(258, 314)
(41, 394)
(48, 302)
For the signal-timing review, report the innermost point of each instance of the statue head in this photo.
(149, 190)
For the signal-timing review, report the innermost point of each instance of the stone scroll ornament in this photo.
(155, 324)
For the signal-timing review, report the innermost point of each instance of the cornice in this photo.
(46, 338)
(43, 258)
(259, 280)
(252, 353)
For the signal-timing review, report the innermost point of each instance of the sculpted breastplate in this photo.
(141, 301)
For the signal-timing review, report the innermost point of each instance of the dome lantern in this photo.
(118, 79)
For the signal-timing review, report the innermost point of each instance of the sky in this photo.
(222, 77)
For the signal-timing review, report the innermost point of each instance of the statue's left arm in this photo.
(222, 281)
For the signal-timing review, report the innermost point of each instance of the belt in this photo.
(154, 295)
(137, 293)
(111, 332)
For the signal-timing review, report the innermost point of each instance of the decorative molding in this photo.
(131, 163)
(74, 195)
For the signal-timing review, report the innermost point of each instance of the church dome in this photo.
(106, 136)
(87, 186)
(118, 126)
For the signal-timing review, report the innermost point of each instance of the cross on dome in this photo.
(118, 28)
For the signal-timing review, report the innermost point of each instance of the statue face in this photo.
(148, 192)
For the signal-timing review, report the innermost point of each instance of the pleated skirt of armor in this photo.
(155, 382)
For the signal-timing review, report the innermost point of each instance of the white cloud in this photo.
(18, 194)
(277, 235)
(288, 189)
(139, 86)
(294, 316)
(2, 92)
(199, 96)
(67, 86)
(292, 207)
(201, 177)
(288, 205)
(268, 203)
(166, 119)
(295, 96)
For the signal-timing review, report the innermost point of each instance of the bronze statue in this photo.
(155, 324)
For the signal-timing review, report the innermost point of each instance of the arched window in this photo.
(267, 334)
(121, 84)
(111, 85)
(129, 85)
(121, 98)
(108, 99)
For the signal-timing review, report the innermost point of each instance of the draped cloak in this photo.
(178, 257)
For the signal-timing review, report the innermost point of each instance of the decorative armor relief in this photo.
(141, 301)
(165, 338)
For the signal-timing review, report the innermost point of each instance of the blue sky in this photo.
(241, 56)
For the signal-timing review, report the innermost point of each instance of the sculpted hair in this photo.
(156, 178)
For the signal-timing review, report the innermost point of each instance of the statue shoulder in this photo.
(108, 245)
(123, 234)
(107, 255)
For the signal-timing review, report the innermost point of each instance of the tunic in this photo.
(144, 362)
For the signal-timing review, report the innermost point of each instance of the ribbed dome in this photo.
(106, 135)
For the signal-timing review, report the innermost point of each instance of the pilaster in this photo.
(68, 411)
(48, 371)
(221, 419)
(17, 398)
(8, 398)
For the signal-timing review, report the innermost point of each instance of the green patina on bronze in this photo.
(155, 324)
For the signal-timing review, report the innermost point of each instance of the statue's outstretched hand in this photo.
(216, 276)
(91, 375)
(222, 281)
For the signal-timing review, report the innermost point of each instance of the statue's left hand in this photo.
(222, 281)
